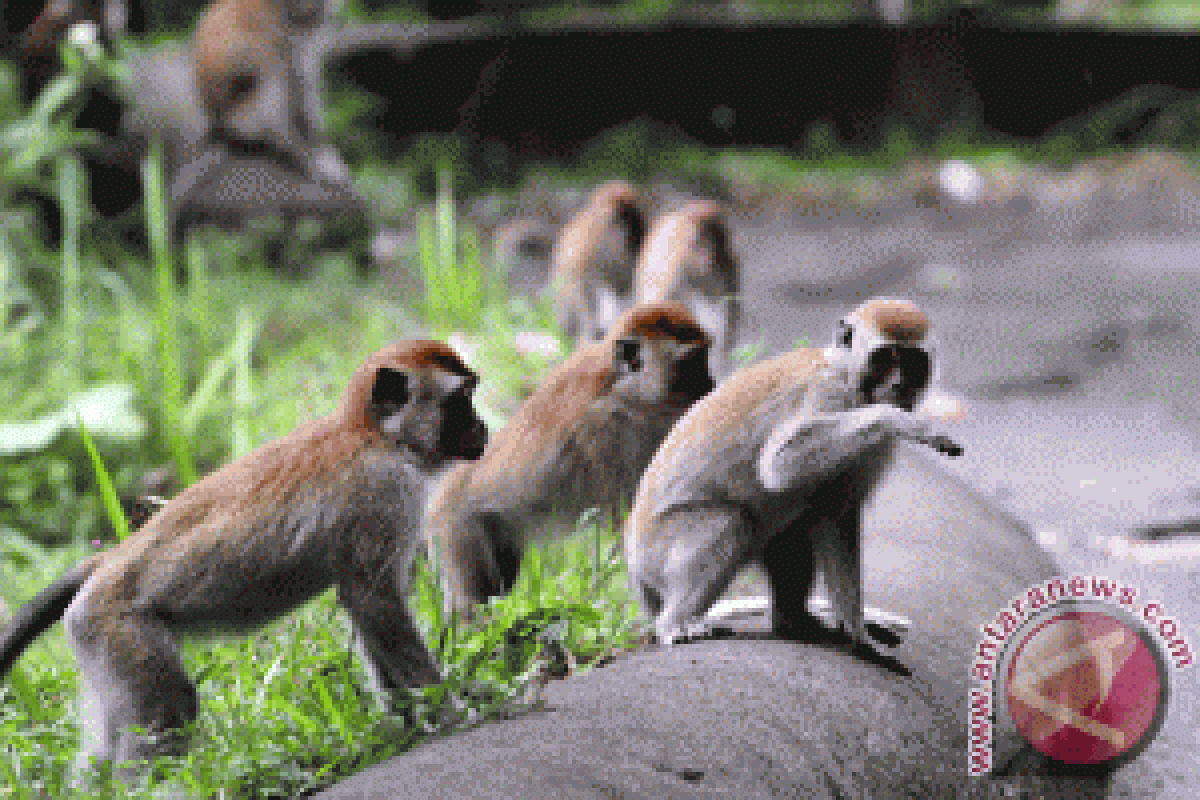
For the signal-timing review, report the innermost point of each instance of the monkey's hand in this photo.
(814, 444)
(945, 445)
(916, 428)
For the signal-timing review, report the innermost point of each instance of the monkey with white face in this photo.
(592, 264)
(336, 502)
(687, 259)
(580, 441)
(775, 467)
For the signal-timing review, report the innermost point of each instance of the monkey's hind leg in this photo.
(789, 561)
(131, 677)
(707, 546)
(839, 554)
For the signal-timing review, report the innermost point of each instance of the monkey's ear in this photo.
(452, 384)
(390, 388)
(627, 353)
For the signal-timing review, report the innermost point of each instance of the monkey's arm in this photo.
(40, 613)
(817, 443)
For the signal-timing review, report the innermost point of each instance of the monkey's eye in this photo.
(845, 334)
(627, 354)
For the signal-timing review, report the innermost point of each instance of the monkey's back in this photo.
(263, 513)
(710, 455)
(592, 247)
(570, 461)
(674, 264)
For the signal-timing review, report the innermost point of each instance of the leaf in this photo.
(104, 410)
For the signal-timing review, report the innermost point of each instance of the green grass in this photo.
(220, 355)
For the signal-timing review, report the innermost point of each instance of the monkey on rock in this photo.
(774, 467)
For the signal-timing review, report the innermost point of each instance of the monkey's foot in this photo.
(883, 626)
(695, 631)
(807, 627)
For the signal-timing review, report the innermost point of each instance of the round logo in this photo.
(1086, 686)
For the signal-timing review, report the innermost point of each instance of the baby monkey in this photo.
(775, 467)
(336, 502)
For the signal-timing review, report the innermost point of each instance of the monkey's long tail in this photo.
(47, 606)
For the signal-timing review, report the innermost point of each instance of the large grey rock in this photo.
(207, 182)
(758, 717)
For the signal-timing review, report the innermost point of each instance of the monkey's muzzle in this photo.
(895, 375)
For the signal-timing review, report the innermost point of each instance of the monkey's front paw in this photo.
(916, 428)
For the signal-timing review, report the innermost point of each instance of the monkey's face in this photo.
(429, 411)
(881, 350)
(896, 375)
(661, 372)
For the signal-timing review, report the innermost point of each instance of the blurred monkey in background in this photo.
(688, 259)
(592, 264)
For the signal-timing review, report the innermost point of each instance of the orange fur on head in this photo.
(584, 378)
(661, 321)
(407, 354)
(898, 320)
(701, 211)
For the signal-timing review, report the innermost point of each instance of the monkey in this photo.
(580, 441)
(687, 259)
(40, 40)
(248, 81)
(336, 502)
(774, 467)
(593, 260)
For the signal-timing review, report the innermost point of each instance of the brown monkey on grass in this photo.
(336, 502)
(580, 441)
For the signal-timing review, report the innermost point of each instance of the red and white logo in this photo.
(1085, 686)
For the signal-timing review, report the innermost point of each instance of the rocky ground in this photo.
(1067, 311)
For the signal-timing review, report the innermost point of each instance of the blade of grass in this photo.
(200, 293)
(168, 346)
(108, 494)
(431, 301)
(71, 185)
(243, 389)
